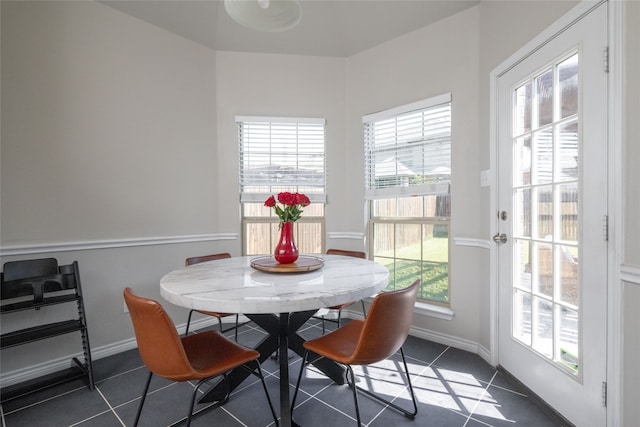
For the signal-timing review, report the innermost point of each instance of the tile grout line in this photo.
(484, 393)
(101, 413)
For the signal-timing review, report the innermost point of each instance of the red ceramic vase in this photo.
(286, 251)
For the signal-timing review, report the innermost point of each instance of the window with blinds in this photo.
(408, 149)
(407, 184)
(281, 154)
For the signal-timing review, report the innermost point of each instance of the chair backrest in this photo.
(158, 342)
(37, 277)
(204, 258)
(356, 254)
(16, 270)
(386, 326)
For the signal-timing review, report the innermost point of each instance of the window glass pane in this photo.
(408, 240)
(568, 152)
(384, 208)
(522, 264)
(384, 240)
(522, 316)
(543, 197)
(568, 82)
(569, 212)
(543, 274)
(410, 207)
(522, 161)
(257, 210)
(522, 212)
(435, 266)
(306, 237)
(569, 284)
(260, 238)
(543, 156)
(543, 332)
(406, 272)
(522, 116)
(544, 97)
(437, 206)
(568, 340)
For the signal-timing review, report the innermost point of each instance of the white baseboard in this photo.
(485, 353)
(459, 343)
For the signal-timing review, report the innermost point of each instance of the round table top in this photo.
(231, 285)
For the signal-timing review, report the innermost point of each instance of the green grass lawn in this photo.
(433, 269)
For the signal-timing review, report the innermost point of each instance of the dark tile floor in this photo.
(453, 388)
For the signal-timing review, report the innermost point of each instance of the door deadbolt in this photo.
(503, 215)
(500, 238)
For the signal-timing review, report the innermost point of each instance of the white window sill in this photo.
(432, 310)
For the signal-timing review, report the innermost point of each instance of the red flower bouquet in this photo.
(292, 204)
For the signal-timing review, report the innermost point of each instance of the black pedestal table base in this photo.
(282, 336)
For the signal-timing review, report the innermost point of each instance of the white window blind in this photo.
(408, 149)
(281, 154)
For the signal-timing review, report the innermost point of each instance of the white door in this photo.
(552, 207)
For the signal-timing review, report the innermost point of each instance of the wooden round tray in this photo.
(302, 265)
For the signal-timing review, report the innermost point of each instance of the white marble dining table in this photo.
(280, 303)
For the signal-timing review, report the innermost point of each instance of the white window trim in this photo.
(418, 105)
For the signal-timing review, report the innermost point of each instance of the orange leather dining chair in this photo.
(339, 308)
(200, 357)
(218, 315)
(364, 342)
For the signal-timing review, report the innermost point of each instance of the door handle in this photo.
(500, 238)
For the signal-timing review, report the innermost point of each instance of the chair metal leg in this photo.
(355, 394)
(364, 310)
(406, 413)
(186, 331)
(295, 392)
(264, 386)
(236, 327)
(144, 396)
